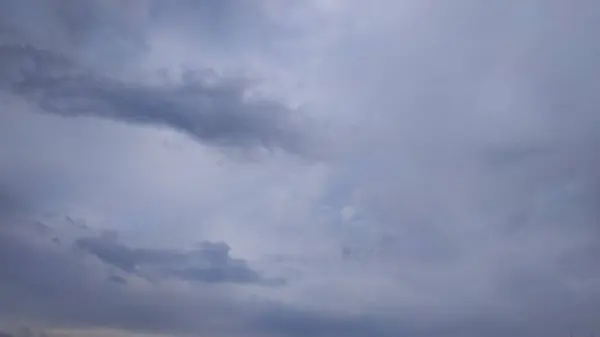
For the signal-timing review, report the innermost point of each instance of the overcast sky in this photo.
(299, 168)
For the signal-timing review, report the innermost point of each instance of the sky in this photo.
(299, 168)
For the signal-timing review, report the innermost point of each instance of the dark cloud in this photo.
(61, 286)
(117, 279)
(9, 203)
(208, 262)
(215, 110)
(55, 284)
(52, 52)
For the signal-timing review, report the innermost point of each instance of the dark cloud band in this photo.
(215, 112)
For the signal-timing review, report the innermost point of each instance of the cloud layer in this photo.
(451, 186)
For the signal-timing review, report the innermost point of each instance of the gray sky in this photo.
(299, 168)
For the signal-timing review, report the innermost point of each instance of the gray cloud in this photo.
(117, 279)
(54, 284)
(57, 286)
(209, 262)
(217, 113)
(469, 195)
(477, 180)
(56, 61)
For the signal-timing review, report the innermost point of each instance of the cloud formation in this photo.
(209, 262)
(457, 193)
(218, 113)
(82, 291)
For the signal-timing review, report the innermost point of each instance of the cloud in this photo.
(117, 279)
(53, 284)
(209, 262)
(93, 30)
(460, 198)
(9, 203)
(218, 113)
(56, 63)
